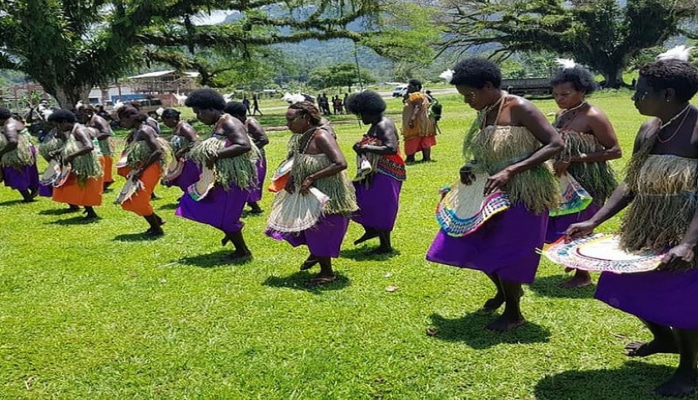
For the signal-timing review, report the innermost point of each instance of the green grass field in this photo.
(90, 311)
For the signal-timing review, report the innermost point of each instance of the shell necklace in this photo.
(567, 111)
(678, 128)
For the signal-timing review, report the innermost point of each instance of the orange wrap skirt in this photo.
(139, 203)
(71, 192)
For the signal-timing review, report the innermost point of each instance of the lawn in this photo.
(91, 311)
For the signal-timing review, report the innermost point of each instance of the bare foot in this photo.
(579, 280)
(644, 349)
(322, 280)
(369, 234)
(309, 263)
(681, 384)
(505, 323)
(381, 250)
(491, 305)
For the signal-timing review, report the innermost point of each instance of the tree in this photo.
(70, 46)
(598, 33)
(343, 74)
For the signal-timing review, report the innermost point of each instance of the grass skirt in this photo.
(501, 246)
(557, 226)
(324, 239)
(189, 176)
(378, 203)
(220, 208)
(261, 166)
(664, 297)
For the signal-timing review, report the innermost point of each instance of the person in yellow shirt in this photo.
(418, 129)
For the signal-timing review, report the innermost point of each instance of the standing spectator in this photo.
(255, 105)
(417, 128)
(246, 103)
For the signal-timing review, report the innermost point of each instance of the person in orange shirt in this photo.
(418, 129)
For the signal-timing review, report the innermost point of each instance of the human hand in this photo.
(411, 123)
(581, 229)
(136, 174)
(357, 148)
(496, 181)
(467, 176)
(289, 187)
(211, 162)
(305, 186)
(560, 167)
(682, 252)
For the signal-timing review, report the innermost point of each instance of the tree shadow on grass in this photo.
(470, 329)
(213, 260)
(135, 237)
(78, 220)
(300, 279)
(548, 286)
(11, 202)
(635, 380)
(363, 253)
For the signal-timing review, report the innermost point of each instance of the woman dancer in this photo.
(317, 162)
(511, 141)
(17, 157)
(590, 142)
(660, 193)
(377, 193)
(184, 137)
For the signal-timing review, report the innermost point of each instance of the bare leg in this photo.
(369, 233)
(426, 155)
(512, 317)
(255, 208)
(241, 250)
(385, 246)
(91, 214)
(495, 302)
(326, 274)
(579, 280)
(27, 195)
(663, 342)
(409, 159)
(309, 262)
(155, 222)
(683, 382)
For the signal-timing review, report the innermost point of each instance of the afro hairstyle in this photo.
(475, 72)
(366, 102)
(207, 99)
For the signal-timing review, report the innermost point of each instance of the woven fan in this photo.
(49, 176)
(573, 197)
(294, 212)
(174, 170)
(203, 186)
(62, 177)
(123, 160)
(463, 210)
(130, 188)
(601, 252)
(281, 175)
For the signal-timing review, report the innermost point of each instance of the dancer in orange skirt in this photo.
(84, 185)
(146, 159)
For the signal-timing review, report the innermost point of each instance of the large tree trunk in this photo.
(69, 96)
(613, 78)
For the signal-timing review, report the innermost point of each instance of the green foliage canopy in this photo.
(599, 33)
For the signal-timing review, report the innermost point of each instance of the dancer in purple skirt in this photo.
(317, 163)
(228, 150)
(590, 142)
(183, 139)
(510, 141)
(260, 139)
(17, 157)
(378, 192)
(659, 192)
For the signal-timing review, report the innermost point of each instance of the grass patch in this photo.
(93, 311)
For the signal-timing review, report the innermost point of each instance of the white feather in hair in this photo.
(566, 62)
(679, 52)
(447, 75)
